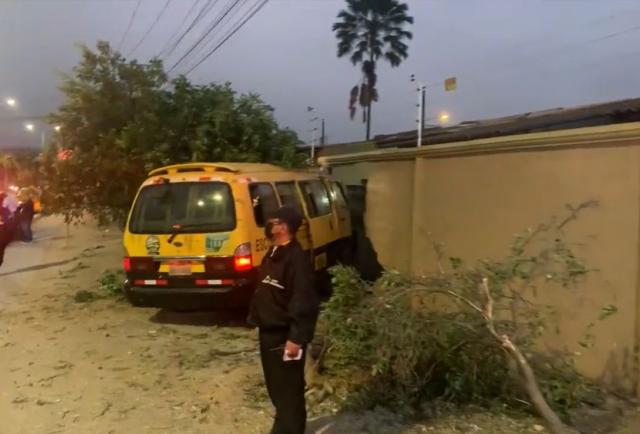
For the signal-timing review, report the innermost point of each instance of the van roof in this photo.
(216, 167)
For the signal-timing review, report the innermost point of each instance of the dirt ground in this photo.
(105, 367)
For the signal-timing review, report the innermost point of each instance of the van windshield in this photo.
(190, 206)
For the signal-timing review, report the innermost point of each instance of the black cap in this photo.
(290, 216)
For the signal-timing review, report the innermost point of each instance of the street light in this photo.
(11, 102)
(57, 128)
(31, 128)
(443, 117)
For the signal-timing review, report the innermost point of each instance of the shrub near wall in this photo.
(388, 346)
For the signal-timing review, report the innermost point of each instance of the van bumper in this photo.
(236, 296)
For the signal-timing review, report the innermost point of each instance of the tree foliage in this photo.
(121, 118)
(368, 30)
(406, 340)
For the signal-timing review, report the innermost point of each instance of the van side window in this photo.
(289, 195)
(338, 194)
(316, 197)
(263, 200)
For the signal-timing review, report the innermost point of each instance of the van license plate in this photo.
(180, 268)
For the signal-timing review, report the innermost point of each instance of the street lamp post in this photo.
(32, 128)
(450, 84)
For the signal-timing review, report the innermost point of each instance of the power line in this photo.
(164, 9)
(184, 21)
(205, 35)
(233, 32)
(232, 5)
(203, 12)
(211, 39)
(133, 17)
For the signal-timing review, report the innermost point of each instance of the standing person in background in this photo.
(24, 215)
(285, 309)
(10, 202)
(5, 221)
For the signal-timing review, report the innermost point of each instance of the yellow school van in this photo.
(195, 232)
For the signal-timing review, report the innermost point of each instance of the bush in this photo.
(405, 340)
(110, 283)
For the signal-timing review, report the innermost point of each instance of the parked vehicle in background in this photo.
(195, 233)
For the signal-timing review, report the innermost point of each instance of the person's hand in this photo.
(291, 349)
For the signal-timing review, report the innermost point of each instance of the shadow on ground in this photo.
(217, 318)
(366, 422)
(38, 267)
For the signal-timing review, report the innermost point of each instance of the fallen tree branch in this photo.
(527, 376)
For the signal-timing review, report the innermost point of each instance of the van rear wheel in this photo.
(133, 300)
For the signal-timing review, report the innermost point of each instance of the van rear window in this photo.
(194, 206)
(264, 201)
(316, 197)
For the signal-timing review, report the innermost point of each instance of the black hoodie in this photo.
(285, 297)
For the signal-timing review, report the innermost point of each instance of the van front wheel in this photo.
(341, 252)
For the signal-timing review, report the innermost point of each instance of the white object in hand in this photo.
(287, 358)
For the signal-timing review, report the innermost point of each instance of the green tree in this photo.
(121, 118)
(368, 30)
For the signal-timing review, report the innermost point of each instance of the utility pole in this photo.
(314, 129)
(422, 91)
(450, 84)
(322, 136)
(313, 144)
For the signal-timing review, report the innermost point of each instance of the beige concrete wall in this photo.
(475, 204)
(475, 196)
(389, 204)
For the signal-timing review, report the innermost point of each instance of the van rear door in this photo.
(183, 219)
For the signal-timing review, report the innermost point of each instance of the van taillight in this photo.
(242, 259)
(138, 263)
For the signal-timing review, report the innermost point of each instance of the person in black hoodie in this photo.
(25, 213)
(285, 309)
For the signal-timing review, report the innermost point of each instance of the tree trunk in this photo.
(369, 119)
(370, 92)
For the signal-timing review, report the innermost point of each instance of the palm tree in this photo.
(368, 30)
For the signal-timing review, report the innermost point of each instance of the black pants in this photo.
(25, 229)
(285, 383)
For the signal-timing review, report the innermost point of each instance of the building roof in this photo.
(546, 120)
